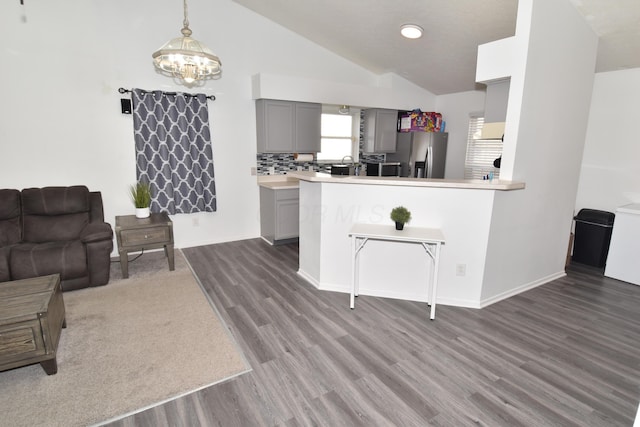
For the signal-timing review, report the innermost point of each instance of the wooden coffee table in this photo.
(32, 316)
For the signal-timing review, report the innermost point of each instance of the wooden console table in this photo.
(135, 234)
(431, 239)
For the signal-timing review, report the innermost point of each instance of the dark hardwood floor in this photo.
(564, 354)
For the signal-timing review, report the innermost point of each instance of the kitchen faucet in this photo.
(350, 157)
(354, 169)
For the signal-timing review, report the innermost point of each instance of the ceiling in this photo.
(443, 60)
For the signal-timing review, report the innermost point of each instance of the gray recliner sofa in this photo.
(55, 230)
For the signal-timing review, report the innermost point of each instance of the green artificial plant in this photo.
(401, 214)
(141, 194)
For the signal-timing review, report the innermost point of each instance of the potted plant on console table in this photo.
(141, 198)
(401, 216)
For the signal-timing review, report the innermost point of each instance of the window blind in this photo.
(480, 152)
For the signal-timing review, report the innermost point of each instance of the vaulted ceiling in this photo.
(443, 60)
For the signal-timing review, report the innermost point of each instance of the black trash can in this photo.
(592, 237)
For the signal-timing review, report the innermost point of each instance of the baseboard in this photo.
(266, 240)
(331, 287)
(313, 282)
(462, 303)
(335, 288)
(527, 286)
(440, 301)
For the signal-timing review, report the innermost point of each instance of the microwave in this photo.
(383, 169)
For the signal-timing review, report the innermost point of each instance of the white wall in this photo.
(610, 172)
(549, 99)
(60, 116)
(496, 101)
(455, 109)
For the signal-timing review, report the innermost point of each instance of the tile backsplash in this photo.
(284, 162)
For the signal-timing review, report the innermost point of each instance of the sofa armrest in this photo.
(96, 231)
(98, 239)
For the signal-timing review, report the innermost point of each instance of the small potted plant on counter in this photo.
(401, 216)
(141, 198)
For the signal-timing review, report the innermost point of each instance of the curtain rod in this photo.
(210, 97)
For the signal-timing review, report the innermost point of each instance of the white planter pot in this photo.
(142, 213)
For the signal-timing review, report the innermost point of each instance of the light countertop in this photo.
(278, 182)
(407, 182)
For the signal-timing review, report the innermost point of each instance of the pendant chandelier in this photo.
(187, 59)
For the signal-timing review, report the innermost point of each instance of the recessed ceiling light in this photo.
(411, 31)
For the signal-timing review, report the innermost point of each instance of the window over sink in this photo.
(339, 135)
(481, 153)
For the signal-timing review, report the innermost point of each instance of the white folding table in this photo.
(431, 240)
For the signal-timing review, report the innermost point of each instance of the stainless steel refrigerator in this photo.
(421, 154)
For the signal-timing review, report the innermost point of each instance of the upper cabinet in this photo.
(307, 127)
(275, 126)
(288, 127)
(380, 130)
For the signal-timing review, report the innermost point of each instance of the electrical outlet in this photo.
(461, 269)
(196, 221)
(254, 171)
(272, 170)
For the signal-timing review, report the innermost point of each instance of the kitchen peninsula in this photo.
(462, 209)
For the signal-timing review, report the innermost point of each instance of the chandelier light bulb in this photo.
(188, 73)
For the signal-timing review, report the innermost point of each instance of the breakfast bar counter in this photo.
(330, 206)
(476, 184)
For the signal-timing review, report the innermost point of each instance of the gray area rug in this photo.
(129, 345)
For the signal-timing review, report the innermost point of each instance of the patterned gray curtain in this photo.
(173, 150)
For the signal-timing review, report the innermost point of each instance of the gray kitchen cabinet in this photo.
(380, 130)
(279, 214)
(288, 127)
(307, 127)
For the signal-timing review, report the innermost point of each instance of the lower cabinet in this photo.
(279, 214)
